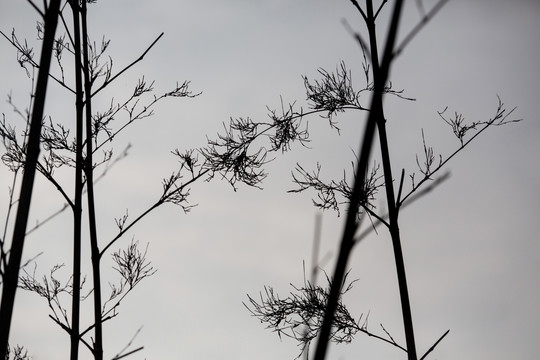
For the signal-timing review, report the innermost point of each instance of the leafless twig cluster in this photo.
(300, 315)
(17, 353)
(333, 194)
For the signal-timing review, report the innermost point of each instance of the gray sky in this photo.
(471, 247)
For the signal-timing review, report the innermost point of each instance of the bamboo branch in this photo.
(434, 345)
(108, 81)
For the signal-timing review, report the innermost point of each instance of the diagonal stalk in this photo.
(351, 224)
(11, 274)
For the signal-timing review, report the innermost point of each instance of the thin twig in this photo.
(357, 6)
(120, 356)
(433, 346)
(36, 8)
(403, 204)
(498, 119)
(379, 9)
(127, 354)
(425, 19)
(127, 67)
(37, 66)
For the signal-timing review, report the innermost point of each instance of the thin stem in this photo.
(37, 8)
(381, 219)
(419, 26)
(434, 345)
(357, 6)
(3, 254)
(36, 65)
(379, 9)
(89, 170)
(68, 330)
(492, 122)
(55, 183)
(107, 82)
(388, 180)
(158, 203)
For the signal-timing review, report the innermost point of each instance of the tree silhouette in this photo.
(320, 311)
(84, 146)
(94, 131)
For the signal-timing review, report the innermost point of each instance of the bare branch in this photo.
(460, 130)
(111, 79)
(357, 6)
(425, 19)
(379, 9)
(434, 345)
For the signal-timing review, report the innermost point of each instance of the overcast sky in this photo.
(471, 248)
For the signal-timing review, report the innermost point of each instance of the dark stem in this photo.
(347, 241)
(89, 172)
(389, 186)
(77, 208)
(12, 271)
(434, 345)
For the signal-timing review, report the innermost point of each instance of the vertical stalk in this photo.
(351, 224)
(89, 170)
(77, 208)
(390, 196)
(396, 242)
(11, 274)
